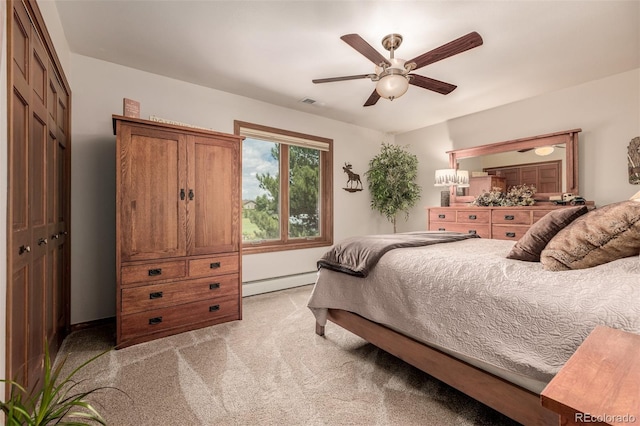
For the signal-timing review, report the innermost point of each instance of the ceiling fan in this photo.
(393, 75)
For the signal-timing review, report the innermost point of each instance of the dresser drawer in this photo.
(144, 298)
(473, 216)
(148, 322)
(153, 271)
(214, 265)
(503, 232)
(442, 215)
(466, 228)
(539, 214)
(511, 217)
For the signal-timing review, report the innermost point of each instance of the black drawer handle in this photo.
(155, 321)
(509, 217)
(442, 216)
(472, 231)
(510, 234)
(441, 229)
(214, 308)
(214, 286)
(155, 295)
(155, 272)
(214, 265)
(473, 217)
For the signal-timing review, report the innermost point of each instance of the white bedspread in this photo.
(510, 317)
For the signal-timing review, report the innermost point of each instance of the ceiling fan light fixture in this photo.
(543, 150)
(392, 86)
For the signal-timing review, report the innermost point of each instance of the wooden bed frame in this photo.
(511, 400)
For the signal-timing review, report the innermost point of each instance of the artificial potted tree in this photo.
(391, 176)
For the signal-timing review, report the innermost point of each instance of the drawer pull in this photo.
(441, 229)
(214, 308)
(155, 320)
(442, 216)
(509, 217)
(472, 231)
(214, 265)
(510, 234)
(155, 272)
(214, 286)
(473, 217)
(155, 295)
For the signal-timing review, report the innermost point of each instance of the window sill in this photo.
(248, 248)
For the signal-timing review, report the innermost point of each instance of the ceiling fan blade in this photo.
(431, 84)
(347, 77)
(365, 49)
(372, 99)
(454, 47)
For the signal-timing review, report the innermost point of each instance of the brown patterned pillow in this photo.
(600, 236)
(529, 247)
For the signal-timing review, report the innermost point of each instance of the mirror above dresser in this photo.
(550, 162)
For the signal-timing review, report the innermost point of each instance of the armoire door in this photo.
(214, 184)
(152, 166)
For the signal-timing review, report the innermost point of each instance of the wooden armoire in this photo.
(38, 196)
(178, 229)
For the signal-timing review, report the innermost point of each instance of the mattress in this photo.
(508, 317)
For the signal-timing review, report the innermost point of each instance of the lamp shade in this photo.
(451, 177)
(446, 177)
(392, 86)
(462, 176)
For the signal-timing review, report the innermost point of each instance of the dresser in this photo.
(502, 223)
(178, 241)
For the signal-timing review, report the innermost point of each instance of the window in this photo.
(285, 214)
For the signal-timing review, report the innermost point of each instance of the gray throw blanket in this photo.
(358, 255)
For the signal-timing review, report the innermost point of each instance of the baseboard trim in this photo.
(93, 323)
(252, 288)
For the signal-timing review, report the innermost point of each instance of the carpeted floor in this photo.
(268, 369)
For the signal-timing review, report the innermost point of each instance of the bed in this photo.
(497, 329)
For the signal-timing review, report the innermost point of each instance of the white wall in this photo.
(98, 89)
(607, 111)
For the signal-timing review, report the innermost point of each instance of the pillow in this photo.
(529, 247)
(600, 236)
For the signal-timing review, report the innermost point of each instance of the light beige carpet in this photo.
(268, 369)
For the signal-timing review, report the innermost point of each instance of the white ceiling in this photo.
(271, 50)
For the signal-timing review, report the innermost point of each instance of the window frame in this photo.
(325, 198)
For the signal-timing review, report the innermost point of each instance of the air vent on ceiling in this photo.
(308, 101)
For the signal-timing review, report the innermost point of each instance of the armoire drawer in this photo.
(502, 232)
(157, 320)
(467, 228)
(153, 271)
(148, 297)
(214, 265)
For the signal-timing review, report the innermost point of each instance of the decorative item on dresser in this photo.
(450, 178)
(501, 223)
(178, 254)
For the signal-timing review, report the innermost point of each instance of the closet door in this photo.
(214, 185)
(31, 259)
(153, 193)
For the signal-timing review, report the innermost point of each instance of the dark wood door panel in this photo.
(153, 196)
(38, 195)
(213, 177)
